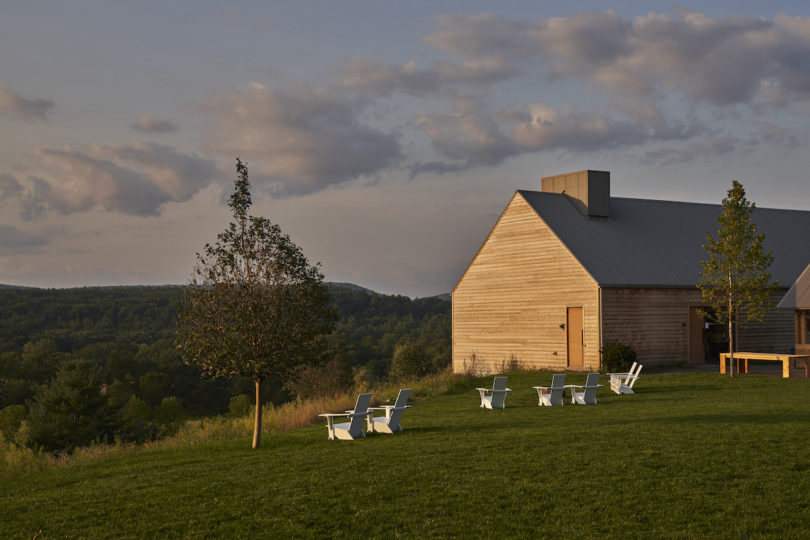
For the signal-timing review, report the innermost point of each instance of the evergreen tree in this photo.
(72, 411)
(735, 281)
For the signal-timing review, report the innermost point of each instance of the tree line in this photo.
(114, 347)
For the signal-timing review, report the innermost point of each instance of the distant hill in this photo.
(373, 323)
(349, 286)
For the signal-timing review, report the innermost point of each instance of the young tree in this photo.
(255, 305)
(735, 281)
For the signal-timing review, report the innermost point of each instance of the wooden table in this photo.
(773, 357)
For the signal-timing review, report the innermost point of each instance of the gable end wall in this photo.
(513, 297)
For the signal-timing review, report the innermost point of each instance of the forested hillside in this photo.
(121, 340)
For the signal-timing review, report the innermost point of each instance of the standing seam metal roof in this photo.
(650, 243)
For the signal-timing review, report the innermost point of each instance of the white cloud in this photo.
(471, 135)
(22, 107)
(467, 134)
(714, 61)
(137, 178)
(375, 77)
(297, 140)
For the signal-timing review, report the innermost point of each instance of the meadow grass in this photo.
(688, 456)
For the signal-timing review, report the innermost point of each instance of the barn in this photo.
(569, 268)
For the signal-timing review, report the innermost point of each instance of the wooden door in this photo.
(697, 349)
(575, 337)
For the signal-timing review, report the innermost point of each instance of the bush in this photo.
(331, 379)
(135, 419)
(169, 417)
(410, 362)
(10, 419)
(239, 406)
(617, 357)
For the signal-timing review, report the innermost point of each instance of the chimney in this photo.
(588, 190)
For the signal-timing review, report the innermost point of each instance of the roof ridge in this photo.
(668, 201)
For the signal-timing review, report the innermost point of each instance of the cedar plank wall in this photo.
(513, 297)
(655, 322)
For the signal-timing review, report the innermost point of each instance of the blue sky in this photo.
(384, 137)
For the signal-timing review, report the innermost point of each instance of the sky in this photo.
(384, 137)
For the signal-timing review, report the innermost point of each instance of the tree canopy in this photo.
(735, 281)
(255, 306)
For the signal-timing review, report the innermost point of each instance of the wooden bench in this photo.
(800, 360)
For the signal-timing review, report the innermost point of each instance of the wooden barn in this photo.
(568, 269)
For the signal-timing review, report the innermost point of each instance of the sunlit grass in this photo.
(694, 455)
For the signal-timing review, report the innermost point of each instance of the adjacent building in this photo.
(568, 269)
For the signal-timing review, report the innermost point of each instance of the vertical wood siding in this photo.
(513, 297)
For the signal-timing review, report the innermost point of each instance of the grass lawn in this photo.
(691, 455)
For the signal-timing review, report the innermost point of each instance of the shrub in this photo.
(10, 419)
(240, 406)
(617, 357)
(169, 417)
(333, 378)
(410, 362)
(135, 419)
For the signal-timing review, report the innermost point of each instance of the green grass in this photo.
(688, 456)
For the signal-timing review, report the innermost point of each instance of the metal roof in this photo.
(798, 297)
(650, 243)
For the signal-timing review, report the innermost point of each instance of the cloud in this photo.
(737, 60)
(468, 133)
(482, 36)
(147, 123)
(22, 107)
(14, 241)
(297, 140)
(382, 80)
(471, 135)
(137, 179)
(641, 69)
(9, 188)
(704, 151)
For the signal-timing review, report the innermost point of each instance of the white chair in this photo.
(498, 398)
(390, 422)
(622, 383)
(552, 396)
(586, 395)
(353, 429)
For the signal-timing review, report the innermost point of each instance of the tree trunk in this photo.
(257, 419)
(730, 341)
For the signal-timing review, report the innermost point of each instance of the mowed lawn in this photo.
(690, 455)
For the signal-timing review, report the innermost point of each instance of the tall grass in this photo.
(20, 460)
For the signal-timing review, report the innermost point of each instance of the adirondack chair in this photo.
(620, 377)
(552, 396)
(497, 399)
(353, 429)
(586, 395)
(622, 383)
(390, 422)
